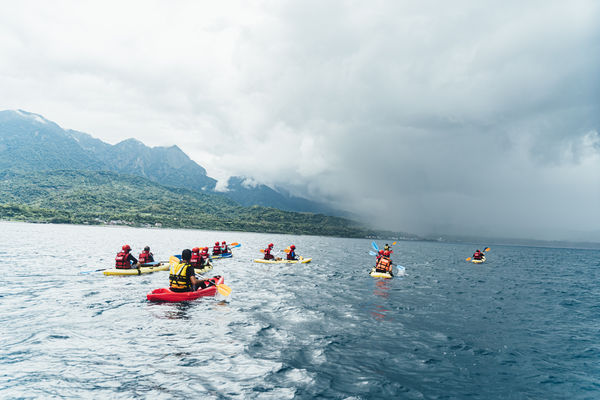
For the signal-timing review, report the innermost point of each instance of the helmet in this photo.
(195, 249)
(223, 242)
(477, 251)
(216, 243)
(147, 248)
(205, 249)
(292, 247)
(380, 251)
(386, 253)
(126, 247)
(271, 245)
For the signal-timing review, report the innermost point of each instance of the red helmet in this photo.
(223, 242)
(380, 251)
(195, 249)
(205, 249)
(292, 247)
(126, 247)
(271, 245)
(216, 243)
(386, 253)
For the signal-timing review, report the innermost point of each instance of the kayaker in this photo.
(205, 256)
(224, 247)
(124, 259)
(478, 255)
(268, 255)
(384, 263)
(387, 248)
(379, 255)
(292, 253)
(181, 275)
(216, 249)
(146, 256)
(196, 259)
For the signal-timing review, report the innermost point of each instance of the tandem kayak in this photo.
(203, 270)
(387, 275)
(301, 261)
(478, 261)
(167, 295)
(143, 269)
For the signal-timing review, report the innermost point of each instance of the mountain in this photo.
(96, 197)
(29, 142)
(248, 193)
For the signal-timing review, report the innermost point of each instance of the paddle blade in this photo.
(287, 250)
(224, 289)
(486, 249)
(375, 246)
(233, 244)
(468, 258)
(394, 243)
(371, 252)
(262, 250)
(173, 260)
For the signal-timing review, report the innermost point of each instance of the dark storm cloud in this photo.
(462, 117)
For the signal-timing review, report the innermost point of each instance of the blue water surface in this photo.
(523, 325)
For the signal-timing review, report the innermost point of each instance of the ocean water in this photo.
(524, 325)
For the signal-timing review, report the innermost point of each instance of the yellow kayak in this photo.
(145, 269)
(300, 261)
(478, 261)
(377, 274)
(204, 270)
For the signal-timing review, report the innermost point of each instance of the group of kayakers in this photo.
(126, 260)
(291, 253)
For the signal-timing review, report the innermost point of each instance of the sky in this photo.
(466, 117)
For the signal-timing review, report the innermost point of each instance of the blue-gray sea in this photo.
(523, 325)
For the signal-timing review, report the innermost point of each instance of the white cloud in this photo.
(422, 116)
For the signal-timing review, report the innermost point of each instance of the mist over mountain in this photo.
(30, 142)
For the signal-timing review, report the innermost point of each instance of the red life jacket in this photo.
(204, 255)
(195, 260)
(144, 257)
(384, 264)
(122, 260)
(478, 256)
(216, 250)
(268, 255)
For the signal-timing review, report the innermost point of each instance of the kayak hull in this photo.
(144, 269)
(377, 274)
(474, 261)
(219, 256)
(263, 261)
(167, 295)
(200, 271)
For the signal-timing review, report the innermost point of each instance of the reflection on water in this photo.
(382, 290)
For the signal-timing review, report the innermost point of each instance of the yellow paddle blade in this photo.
(262, 250)
(486, 249)
(394, 243)
(287, 250)
(224, 289)
(173, 260)
(468, 258)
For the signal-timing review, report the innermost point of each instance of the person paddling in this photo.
(478, 255)
(384, 263)
(146, 256)
(216, 249)
(267, 251)
(291, 255)
(182, 277)
(124, 259)
(205, 256)
(224, 248)
(388, 248)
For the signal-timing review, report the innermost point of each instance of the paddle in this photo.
(371, 252)
(484, 250)
(95, 270)
(374, 246)
(224, 289)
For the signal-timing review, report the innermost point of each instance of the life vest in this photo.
(178, 277)
(384, 264)
(196, 260)
(291, 255)
(144, 257)
(122, 260)
(478, 256)
(225, 249)
(204, 256)
(268, 255)
(216, 250)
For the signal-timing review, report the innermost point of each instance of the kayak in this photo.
(478, 261)
(225, 255)
(167, 295)
(301, 261)
(204, 270)
(144, 269)
(387, 275)
(377, 274)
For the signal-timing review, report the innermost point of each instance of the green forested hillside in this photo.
(101, 197)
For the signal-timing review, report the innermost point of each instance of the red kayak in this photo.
(166, 294)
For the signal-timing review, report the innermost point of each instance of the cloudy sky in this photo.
(468, 117)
